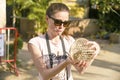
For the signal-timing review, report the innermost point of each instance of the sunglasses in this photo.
(58, 22)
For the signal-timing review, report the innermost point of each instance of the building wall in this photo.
(2, 13)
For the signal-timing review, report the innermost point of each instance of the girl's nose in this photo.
(61, 26)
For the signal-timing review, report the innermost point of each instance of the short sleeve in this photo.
(34, 41)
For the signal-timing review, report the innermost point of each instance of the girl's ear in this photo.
(47, 18)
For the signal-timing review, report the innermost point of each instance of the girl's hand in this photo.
(81, 66)
(94, 46)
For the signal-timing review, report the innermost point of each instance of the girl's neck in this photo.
(53, 37)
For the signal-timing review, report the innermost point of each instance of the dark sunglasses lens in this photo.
(57, 22)
(66, 24)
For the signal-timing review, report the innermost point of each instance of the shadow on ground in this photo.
(105, 67)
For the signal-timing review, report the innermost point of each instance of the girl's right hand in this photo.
(80, 66)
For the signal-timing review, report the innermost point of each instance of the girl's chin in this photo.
(58, 33)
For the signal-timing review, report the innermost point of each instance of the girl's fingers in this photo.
(94, 46)
(81, 63)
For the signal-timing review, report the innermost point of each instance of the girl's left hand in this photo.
(81, 66)
(94, 46)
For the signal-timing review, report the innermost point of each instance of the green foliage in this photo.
(109, 14)
(105, 6)
(33, 10)
(11, 50)
(20, 43)
(19, 46)
(77, 11)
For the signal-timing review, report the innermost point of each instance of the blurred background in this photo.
(97, 20)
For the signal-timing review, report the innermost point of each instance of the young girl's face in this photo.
(57, 22)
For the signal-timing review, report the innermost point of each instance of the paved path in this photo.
(105, 67)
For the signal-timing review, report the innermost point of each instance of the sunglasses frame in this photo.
(58, 22)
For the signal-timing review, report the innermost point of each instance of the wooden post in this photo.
(2, 13)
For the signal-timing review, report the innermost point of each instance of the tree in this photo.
(33, 10)
(109, 14)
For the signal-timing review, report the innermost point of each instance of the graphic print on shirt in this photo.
(56, 60)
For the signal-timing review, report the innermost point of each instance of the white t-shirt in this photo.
(56, 50)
